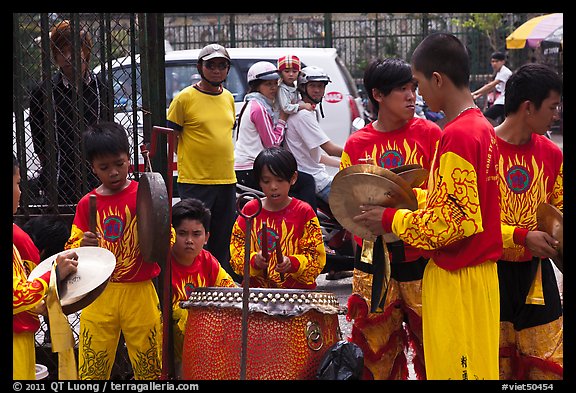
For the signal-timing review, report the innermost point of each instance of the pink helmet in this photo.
(289, 61)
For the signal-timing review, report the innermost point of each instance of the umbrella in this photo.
(533, 31)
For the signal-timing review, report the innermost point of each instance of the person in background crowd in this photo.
(498, 86)
(531, 172)
(203, 114)
(72, 89)
(288, 98)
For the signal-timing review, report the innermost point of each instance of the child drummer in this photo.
(292, 254)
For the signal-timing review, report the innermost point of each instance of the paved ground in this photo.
(342, 289)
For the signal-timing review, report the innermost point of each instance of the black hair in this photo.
(49, 233)
(443, 53)
(104, 138)
(280, 162)
(192, 209)
(386, 75)
(532, 82)
(498, 56)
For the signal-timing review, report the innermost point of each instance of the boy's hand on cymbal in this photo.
(66, 264)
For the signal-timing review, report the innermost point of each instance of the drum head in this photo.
(153, 211)
(95, 266)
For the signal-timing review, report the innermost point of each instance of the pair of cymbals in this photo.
(366, 184)
(78, 290)
(551, 220)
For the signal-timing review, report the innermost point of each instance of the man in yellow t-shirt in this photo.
(203, 114)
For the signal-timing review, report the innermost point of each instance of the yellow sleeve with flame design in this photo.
(76, 236)
(452, 209)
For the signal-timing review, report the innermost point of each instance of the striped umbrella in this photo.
(533, 31)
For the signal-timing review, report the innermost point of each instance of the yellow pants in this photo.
(461, 322)
(23, 356)
(134, 310)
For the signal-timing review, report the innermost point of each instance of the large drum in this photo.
(289, 331)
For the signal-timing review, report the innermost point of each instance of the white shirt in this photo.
(303, 138)
(502, 76)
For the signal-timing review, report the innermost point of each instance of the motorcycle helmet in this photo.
(262, 70)
(312, 74)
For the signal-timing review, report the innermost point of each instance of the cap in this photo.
(289, 61)
(213, 51)
(498, 56)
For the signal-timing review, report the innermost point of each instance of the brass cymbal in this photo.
(377, 170)
(352, 190)
(415, 177)
(403, 168)
(551, 220)
(78, 290)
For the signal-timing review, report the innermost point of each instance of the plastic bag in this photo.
(343, 361)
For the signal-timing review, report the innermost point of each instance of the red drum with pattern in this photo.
(289, 331)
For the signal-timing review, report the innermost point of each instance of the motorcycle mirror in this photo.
(358, 123)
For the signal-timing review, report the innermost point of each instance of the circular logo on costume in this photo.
(113, 228)
(188, 289)
(333, 97)
(518, 179)
(390, 159)
(271, 239)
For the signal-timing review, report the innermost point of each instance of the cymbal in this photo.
(551, 220)
(403, 168)
(350, 191)
(95, 266)
(415, 177)
(377, 170)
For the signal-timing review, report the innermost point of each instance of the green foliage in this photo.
(488, 24)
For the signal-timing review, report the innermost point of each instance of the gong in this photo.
(153, 222)
(551, 220)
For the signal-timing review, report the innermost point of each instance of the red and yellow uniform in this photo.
(297, 229)
(459, 230)
(129, 303)
(26, 297)
(205, 271)
(381, 335)
(531, 327)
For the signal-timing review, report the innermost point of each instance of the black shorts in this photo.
(515, 279)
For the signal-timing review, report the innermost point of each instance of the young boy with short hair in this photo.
(129, 304)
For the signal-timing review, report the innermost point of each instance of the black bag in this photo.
(343, 361)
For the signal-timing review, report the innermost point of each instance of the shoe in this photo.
(338, 275)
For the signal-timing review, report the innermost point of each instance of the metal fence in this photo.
(357, 37)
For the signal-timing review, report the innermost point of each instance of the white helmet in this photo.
(263, 70)
(312, 74)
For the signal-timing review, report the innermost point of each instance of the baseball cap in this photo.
(289, 61)
(212, 51)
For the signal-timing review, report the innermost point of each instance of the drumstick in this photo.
(92, 222)
(264, 242)
(279, 257)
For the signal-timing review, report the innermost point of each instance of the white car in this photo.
(341, 105)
